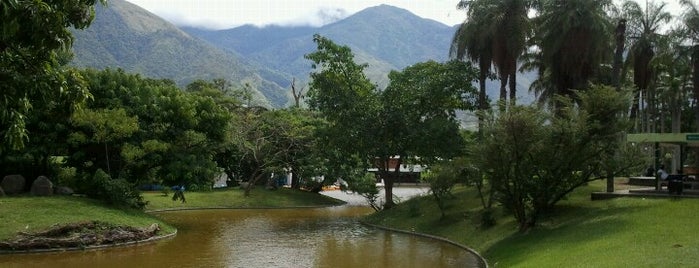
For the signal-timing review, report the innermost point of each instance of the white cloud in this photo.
(218, 14)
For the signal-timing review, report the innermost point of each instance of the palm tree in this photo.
(471, 41)
(643, 24)
(511, 26)
(574, 38)
(690, 19)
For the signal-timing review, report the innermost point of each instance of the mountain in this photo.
(386, 37)
(126, 36)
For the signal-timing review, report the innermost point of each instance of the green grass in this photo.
(623, 232)
(31, 214)
(233, 198)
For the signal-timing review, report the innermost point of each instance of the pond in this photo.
(322, 237)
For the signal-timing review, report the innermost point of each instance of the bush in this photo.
(366, 186)
(413, 208)
(116, 192)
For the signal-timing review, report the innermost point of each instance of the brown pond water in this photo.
(323, 237)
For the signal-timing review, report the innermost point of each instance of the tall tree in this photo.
(511, 26)
(690, 19)
(418, 119)
(643, 25)
(32, 34)
(473, 43)
(574, 38)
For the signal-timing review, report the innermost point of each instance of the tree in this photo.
(690, 19)
(442, 179)
(32, 34)
(340, 91)
(103, 127)
(506, 26)
(471, 42)
(643, 27)
(574, 39)
(419, 115)
(177, 133)
(533, 159)
(414, 117)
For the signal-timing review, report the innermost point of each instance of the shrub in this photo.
(116, 192)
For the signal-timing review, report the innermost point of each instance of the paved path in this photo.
(400, 194)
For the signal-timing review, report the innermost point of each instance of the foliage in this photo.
(366, 186)
(116, 192)
(32, 34)
(147, 131)
(534, 159)
(413, 118)
(442, 179)
(574, 38)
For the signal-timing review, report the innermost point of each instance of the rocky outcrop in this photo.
(42, 186)
(13, 184)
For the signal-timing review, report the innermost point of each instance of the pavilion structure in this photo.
(677, 143)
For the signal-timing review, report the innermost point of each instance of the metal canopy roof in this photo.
(691, 139)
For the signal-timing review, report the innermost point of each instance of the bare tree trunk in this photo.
(513, 87)
(502, 104)
(482, 97)
(620, 36)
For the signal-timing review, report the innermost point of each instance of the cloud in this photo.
(219, 14)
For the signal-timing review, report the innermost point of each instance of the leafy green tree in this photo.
(533, 159)
(178, 133)
(32, 34)
(442, 179)
(103, 127)
(340, 91)
(413, 118)
(418, 118)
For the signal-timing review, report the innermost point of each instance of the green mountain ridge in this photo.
(126, 36)
(387, 38)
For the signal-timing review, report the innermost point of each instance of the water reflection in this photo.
(327, 237)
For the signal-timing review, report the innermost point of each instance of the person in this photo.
(179, 193)
(662, 173)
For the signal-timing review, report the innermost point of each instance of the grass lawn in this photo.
(234, 198)
(623, 232)
(31, 214)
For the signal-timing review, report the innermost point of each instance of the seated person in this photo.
(662, 173)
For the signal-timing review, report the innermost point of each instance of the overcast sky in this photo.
(221, 14)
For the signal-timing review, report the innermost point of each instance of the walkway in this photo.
(400, 193)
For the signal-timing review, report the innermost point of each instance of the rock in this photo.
(42, 186)
(63, 190)
(2, 192)
(13, 184)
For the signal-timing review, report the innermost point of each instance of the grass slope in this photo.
(623, 232)
(32, 214)
(233, 198)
